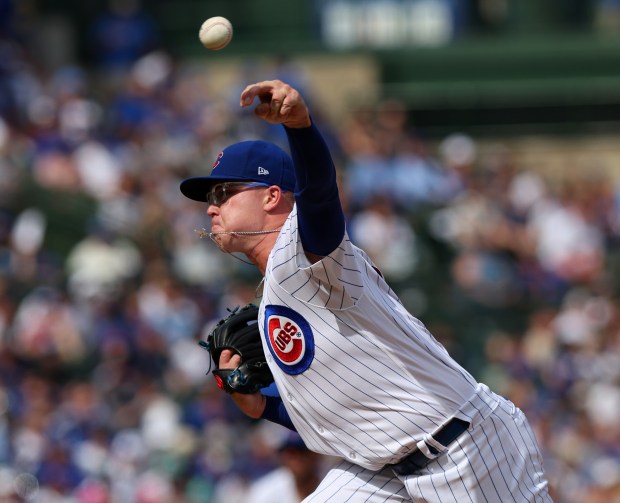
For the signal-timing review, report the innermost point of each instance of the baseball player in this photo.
(359, 377)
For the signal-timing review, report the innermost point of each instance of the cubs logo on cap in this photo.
(290, 339)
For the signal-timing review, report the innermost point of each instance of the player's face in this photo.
(235, 207)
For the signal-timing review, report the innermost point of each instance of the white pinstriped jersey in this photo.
(361, 378)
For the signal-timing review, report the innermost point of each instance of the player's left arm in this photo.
(256, 405)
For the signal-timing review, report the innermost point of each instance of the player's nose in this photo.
(212, 210)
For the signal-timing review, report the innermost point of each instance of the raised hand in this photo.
(279, 103)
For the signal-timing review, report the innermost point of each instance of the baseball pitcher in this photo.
(359, 377)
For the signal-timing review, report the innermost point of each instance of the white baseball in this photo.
(216, 33)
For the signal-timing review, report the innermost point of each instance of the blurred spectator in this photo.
(123, 33)
(607, 16)
(567, 244)
(387, 237)
(98, 265)
(298, 476)
(46, 326)
(385, 159)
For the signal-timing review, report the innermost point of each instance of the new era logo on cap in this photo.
(251, 161)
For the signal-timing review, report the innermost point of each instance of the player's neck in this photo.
(259, 253)
(260, 248)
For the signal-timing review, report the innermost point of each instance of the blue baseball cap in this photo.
(247, 161)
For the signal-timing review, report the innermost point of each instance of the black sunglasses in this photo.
(220, 193)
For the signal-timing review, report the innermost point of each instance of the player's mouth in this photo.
(216, 227)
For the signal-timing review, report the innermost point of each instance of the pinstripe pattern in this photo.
(380, 384)
(350, 483)
(478, 467)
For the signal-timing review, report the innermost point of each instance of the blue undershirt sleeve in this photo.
(276, 412)
(319, 211)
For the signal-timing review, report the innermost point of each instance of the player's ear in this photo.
(273, 196)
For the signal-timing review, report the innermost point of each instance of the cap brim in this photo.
(196, 188)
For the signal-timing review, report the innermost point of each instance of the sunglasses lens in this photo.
(221, 192)
(217, 194)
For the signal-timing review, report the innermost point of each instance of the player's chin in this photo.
(219, 239)
(224, 242)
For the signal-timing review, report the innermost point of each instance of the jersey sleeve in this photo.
(320, 216)
(276, 412)
(334, 282)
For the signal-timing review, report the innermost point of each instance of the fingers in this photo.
(277, 100)
(229, 359)
(264, 90)
(279, 103)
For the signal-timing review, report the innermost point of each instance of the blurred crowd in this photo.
(105, 286)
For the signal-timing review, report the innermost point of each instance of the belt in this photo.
(417, 460)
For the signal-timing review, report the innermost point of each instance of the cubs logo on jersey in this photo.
(289, 338)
